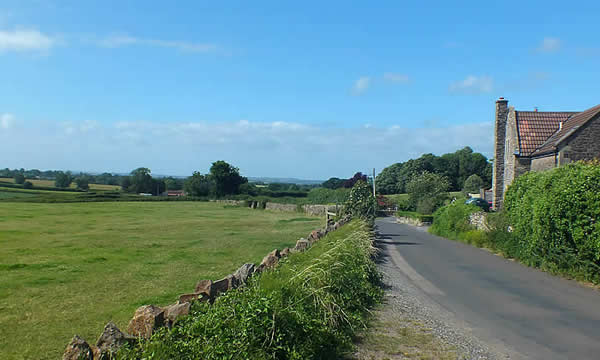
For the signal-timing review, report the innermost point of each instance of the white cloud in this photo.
(396, 78)
(473, 85)
(6, 121)
(279, 148)
(25, 40)
(126, 40)
(549, 45)
(361, 85)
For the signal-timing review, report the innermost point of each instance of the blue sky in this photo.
(304, 89)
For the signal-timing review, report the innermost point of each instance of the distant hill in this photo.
(270, 180)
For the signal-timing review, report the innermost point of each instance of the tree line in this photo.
(456, 168)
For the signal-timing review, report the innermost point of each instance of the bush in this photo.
(555, 215)
(27, 185)
(427, 192)
(452, 220)
(328, 196)
(19, 178)
(309, 307)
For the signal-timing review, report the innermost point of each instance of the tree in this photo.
(82, 182)
(27, 185)
(227, 178)
(199, 185)
(427, 192)
(353, 180)
(63, 179)
(19, 178)
(388, 179)
(473, 184)
(125, 183)
(361, 203)
(333, 183)
(141, 181)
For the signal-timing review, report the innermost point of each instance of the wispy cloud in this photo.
(126, 40)
(25, 40)
(549, 45)
(179, 148)
(396, 78)
(6, 121)
(361, 85)
(473, 85)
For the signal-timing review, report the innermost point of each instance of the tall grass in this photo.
(309, 307)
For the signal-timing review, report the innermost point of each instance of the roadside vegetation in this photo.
(309, 307)
(70, 268)
(549, 221)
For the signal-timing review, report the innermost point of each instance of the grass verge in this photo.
(309, 307)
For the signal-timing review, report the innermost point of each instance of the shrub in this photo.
(27, 185)
(452, 220)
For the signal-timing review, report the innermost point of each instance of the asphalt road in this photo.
(523, 313)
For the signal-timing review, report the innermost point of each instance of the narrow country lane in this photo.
(519, 312)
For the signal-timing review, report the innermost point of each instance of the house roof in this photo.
(571, 125)
(535, 127)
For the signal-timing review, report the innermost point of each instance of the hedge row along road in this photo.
(516, 311)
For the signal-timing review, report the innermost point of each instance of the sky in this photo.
(306, 89)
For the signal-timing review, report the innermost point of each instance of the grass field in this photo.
(68, 269)
(50, 183)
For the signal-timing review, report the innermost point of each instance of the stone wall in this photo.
(543, 163)
(511, 145)
(499, 144)
(281, 207)
(410, 221)
(479, 221)
(319, 210)
(148, 319)
(585, 142)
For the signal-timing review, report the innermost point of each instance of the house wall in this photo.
(499, 143)
(584, 144)
(511, 147)
(543, 163)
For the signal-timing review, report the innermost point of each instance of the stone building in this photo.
(539, 140)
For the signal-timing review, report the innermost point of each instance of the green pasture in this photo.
(68, 269)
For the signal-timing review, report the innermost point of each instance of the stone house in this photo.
(539, 140)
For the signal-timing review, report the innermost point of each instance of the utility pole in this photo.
(374, 183)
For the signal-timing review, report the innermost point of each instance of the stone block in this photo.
(146, 320)
(78, 349)
(187, 298)
(111, 340)
(203, 286)
(175, 311)
(302, 245)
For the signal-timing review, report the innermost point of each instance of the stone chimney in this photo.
(499, 144)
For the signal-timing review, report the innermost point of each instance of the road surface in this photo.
(522, 313)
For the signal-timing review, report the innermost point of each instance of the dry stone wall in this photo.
(149, 318)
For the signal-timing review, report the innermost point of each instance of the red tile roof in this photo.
(535, 127)
(569, 127)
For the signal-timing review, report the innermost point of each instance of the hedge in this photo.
(555, 216)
